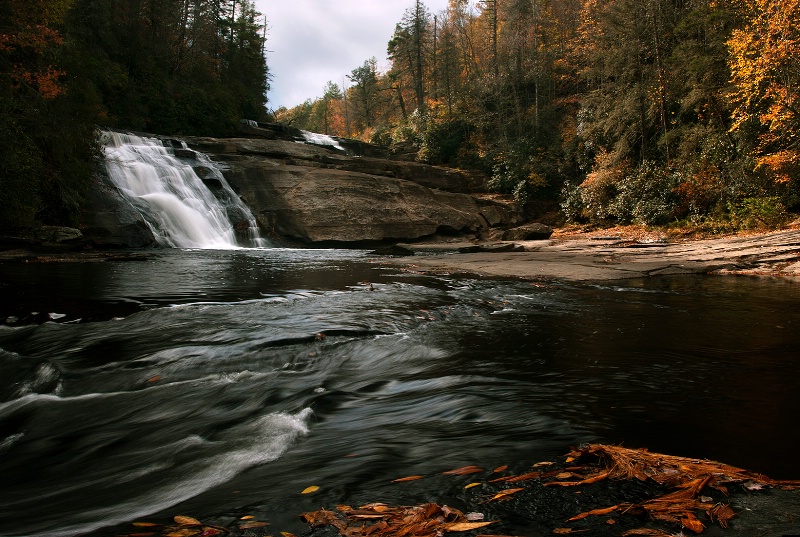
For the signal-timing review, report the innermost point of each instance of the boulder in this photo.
(529, 232)
(111, 221)
(322, 205)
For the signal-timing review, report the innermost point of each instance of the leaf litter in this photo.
(679, 493)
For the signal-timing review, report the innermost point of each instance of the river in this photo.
(213, 382)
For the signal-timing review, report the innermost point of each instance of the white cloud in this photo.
(314, 41)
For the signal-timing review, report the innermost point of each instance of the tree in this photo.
(365, 88)
(763, 62)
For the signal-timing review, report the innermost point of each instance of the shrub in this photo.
(758, 213)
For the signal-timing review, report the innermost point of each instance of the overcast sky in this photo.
(314, 41)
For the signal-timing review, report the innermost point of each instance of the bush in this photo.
(758, 213)
(646, 196)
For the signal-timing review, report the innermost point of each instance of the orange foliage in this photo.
(763, 61)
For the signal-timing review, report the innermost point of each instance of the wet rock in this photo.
(111, 222)
(393, 250)
(529, 232)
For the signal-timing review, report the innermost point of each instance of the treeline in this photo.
(645, 111)
(68, 66)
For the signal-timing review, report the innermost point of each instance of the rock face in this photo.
(529, 232)
(111, 222)
(319, 194)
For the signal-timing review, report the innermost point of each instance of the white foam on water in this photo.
(261, 441)
(321, 139)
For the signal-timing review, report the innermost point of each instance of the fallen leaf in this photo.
(472, 485)
(611, 521)
(154, 379)
(723, 513)
(690, 521)
(569, 459)
(251, 525)
(544, 463)
(464, 470)
(474, 517)
(564, 475)
(145, 524)
(187, 521)
(503, 494)
(247, 517)
(466, 526)
(309, 490)
(523, 477)
(409, 478)
(500, 469)
(288, 534)
(603, 511)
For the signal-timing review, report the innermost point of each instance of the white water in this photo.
(321, 139)
(179, 208)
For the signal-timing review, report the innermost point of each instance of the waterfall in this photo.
(176, 203)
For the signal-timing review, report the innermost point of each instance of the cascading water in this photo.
(180, 209)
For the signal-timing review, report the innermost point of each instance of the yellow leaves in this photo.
(310, 490)
(471, 485)
(187, 521)
(466, 526)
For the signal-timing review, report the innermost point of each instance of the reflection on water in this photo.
(239, 378)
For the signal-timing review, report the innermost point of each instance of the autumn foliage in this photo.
(650, 112)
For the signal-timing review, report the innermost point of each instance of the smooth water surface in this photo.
(210, 382)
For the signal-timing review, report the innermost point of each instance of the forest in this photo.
(67, 66)
(652, 112)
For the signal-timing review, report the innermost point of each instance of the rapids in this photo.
(206, 382)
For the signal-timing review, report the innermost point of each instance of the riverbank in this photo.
(616, 254)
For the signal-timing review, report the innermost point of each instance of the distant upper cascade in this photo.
(321, 139)
(179, 207)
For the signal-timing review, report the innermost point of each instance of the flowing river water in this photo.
(223, 382)
(206, 382)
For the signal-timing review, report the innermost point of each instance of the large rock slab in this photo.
(322, 194)
(321, 205)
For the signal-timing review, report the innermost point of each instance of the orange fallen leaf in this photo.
(309, 490)
(247, 517)
(187, 521)
(503, 494)
(472, 485)
(409, 478)
(500, 469)
(466, 526)
(145, 524)
(564, 475)
(543, 463)
(603, 511)
(251, 525)
(690, 521)
(154, 379)
(464, 470)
